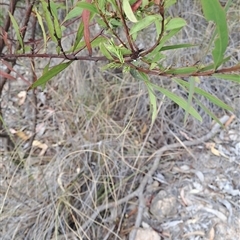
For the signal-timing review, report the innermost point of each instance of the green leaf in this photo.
(114, 50)
(190, 96)
(175, 23)
(158, 25)
(163, 41)
(57, 27)
(152, 99)
(213, 11)
(230, 77)
(94, 43)
(213, 99)
(113, 4)
(158, 56)
(212, 115)
(177, 46)
(144, 3)
(75, 12)
(112, 65)
(98, 40)
(88, 6)
(144, 23)
(213, 36)
(53, 8)
(210, 97)
(135, 74)
(104, 51)
(79, 36)
(48, 19)
(40, 21)
(169, 3)
(101, 5)
(115, 23)
(153, 65)
(46, 68)
(50, 74)
(26, 49)
(184, 70)
(17, 30)
(128, 11)
(179, 101)
(211, 66)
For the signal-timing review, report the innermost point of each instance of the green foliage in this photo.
(88, 6)
(144, 23)
(49, 74)
(1, 18)
(128, 11)
(48, 18)
(17, 30)
(215, 12)
(121, 29)
(229, 77)
(40, 21)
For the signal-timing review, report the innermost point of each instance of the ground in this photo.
(98, 167)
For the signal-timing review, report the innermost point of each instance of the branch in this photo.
(161, 12)
(11, 57)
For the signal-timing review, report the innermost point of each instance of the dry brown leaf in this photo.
(211, 234)
(22, 135)
(186, 136)
(209, 145)
(215, 151)
(166, 234)
(22, 97)
(136, 142)
(229, 121)
(182, 195)
(197, 233)
(144, 129)
(40, 145)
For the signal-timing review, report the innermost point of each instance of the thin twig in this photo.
(161, 12)
(6, 29)
(34, 97)
(103, 16)
(129, 38)
(3, 81)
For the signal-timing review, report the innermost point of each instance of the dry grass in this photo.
(95, 125)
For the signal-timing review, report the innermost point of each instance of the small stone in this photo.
(163, 205)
